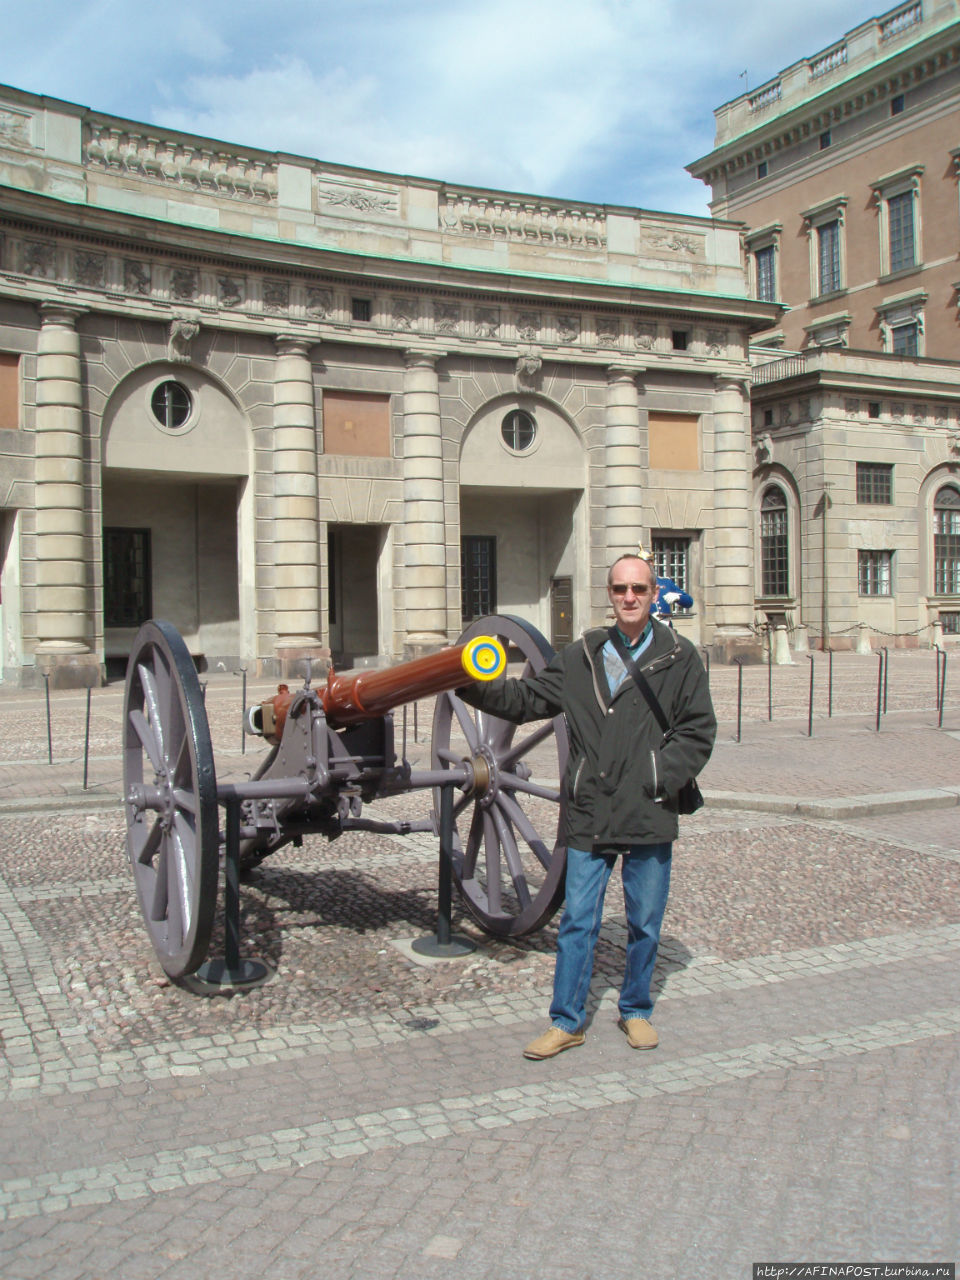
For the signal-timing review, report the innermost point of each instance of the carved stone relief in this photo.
(528, 325)
(183, 330)
(39, 258)
(786, 415)
(230, 291)
(15, 128)
(897, 409)
(319, 302)
(919, 414)
(646, 335)
(568, 328)
(529, 367)
(136, 276)
(608, 331)
(446, 317)
(184, 284)
(276, 295)
(90, 268)
(405, 312)
(716, 342)
(851, 406)
(362, 200)
(940, 415)
(488, 322)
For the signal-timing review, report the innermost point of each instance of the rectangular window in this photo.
(950, 622)
(905, 339)
(828, 257)
(774, 552)
(9, 391)
(360, 309)
(875, 483)
(766, 266)
(946, 552)
(671, 559)
(825, 139)
(356, 424)
(875, 573)
(897, 104)
(126, 577)
(679, 339)
(478, 576)
(902, 240)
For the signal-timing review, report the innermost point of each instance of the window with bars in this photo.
(478, 576)
(900, 221)
(671, 559)
(828, 257)
(126, 577)
(766, 268)
(946, 542)
(875, 483)
(875, 572)
(950, 622)
(774, 543)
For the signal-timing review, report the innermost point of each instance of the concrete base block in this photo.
(71, 670)
(292, 663)
(746, 648)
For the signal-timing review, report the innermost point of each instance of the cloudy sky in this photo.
(602, 100)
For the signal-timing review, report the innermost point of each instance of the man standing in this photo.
(621, 789)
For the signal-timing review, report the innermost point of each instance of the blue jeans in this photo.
(645, 869)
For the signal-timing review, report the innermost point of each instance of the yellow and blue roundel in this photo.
(484, 658)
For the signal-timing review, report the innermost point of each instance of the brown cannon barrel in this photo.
(348, 699)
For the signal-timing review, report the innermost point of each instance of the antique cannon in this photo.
(333, 752)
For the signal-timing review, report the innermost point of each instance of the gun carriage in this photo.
(333, 751)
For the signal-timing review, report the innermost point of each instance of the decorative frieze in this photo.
(16, 129)
(39, 258)
(487, 322)
(137, 277)
(173, 162)
(336, 196)
(502, 217)
(276, 297)
(446, 317)
(90, 269)
(568, 328)
(319, 303)
(528, 326)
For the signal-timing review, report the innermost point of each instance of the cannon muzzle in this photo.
(364, 695)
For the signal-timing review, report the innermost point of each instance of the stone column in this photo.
(733, 526)
(64, 615)
(296, 527)
(623, 474)
(425, 576)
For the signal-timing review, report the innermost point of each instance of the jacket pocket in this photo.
(575, 786)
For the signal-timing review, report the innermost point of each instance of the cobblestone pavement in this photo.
(365, 1115)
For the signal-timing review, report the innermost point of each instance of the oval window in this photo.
(171, 405)
(519, 430)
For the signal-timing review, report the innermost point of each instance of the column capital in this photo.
(624, 373)
(293, 344)
(61, 313)
(422, 357)
(732, 382)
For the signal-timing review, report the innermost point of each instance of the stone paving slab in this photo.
(362, 1116)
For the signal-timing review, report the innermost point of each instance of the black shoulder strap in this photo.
(641, 681)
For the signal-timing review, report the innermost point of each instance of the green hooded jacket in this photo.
(623, 774)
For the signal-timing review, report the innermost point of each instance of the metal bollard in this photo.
(830, 686)
(943, 690)
(810, 700)
(739, 662)
(46, 681)
(86, 743)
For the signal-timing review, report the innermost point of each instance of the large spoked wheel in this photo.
(170, 798)
(507, 857)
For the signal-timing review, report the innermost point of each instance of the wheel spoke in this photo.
(526, 828)
(520, 749)
(151, 844)
(185, 800)
(512, 855)
(511, 781)
(468, 726)
(151, 699)
(491, 849)
(451, 757)
(182, 890)
(159, 904)
(149, 738)
(472, 847)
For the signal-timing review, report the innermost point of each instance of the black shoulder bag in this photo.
(689, 797)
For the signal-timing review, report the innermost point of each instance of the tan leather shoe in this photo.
(553, 1042)
(639, 1033)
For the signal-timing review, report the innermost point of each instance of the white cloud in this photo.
(593, 99)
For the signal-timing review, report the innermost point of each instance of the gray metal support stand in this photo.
(443, 944)
(231, 971)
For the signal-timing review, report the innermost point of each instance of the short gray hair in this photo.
(633, 555)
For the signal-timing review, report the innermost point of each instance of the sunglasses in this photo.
(638, 588)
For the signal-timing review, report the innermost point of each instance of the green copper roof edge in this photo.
(364, 254)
